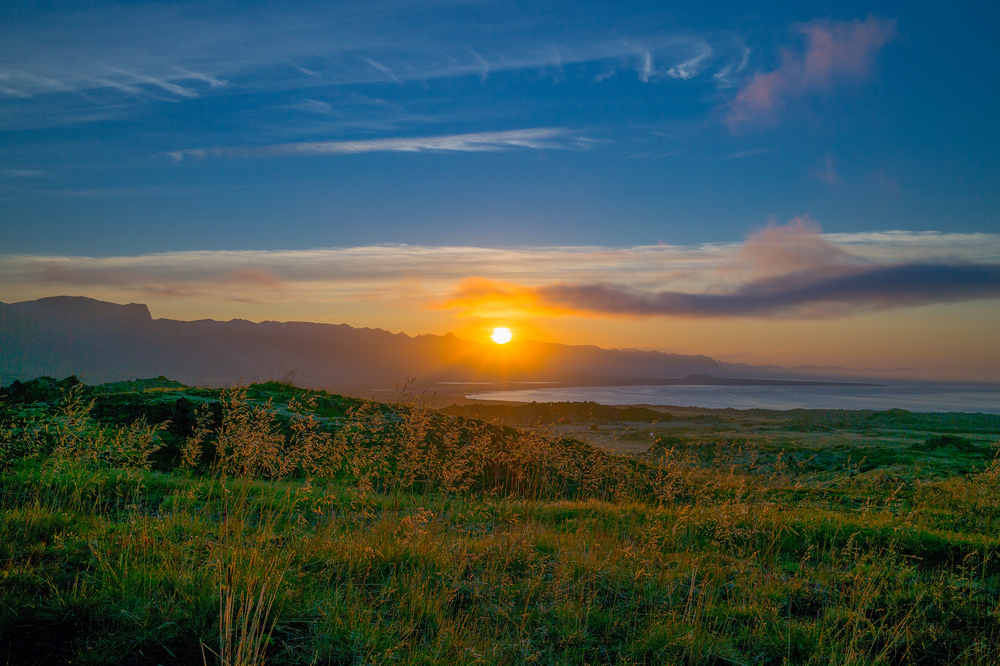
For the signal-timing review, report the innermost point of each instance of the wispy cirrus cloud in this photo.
(73, 62)
(534, 138)
(694, 65)
(835, 53)
(743, 154)
(382, 68)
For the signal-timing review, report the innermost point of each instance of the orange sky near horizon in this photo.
(892, 304)
(954, 342)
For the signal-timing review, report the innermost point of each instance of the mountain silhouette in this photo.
(103, 342)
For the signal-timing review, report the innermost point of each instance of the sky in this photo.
(768, 183)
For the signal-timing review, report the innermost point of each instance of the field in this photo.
(151, 523)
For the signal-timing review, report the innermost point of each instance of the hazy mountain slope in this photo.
(103, 342)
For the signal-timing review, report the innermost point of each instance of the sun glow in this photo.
(501, 335)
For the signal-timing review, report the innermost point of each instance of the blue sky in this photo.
(95, 98)
(135, 129)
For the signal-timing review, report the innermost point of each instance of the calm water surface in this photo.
(913, 396)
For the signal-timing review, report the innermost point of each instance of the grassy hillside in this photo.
(150, 523)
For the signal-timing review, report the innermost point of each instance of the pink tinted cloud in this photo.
(836, 53)
(780, 249)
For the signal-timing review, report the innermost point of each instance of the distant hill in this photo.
(107, 342)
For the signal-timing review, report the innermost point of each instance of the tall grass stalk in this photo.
(250, 573)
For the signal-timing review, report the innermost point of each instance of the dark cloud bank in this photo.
(873, 288)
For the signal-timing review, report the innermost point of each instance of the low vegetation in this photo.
(151, 523)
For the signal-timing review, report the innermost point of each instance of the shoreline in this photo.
(936, 397)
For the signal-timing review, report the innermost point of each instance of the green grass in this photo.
(345, 532)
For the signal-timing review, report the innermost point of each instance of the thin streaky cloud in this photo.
(784, 248)
(382, 68)
(482, 61)
(647, 70)
(535, 138)
(161, 83)
(36, 83)
(743, 154)
(311, 106)
(692, 67)
(11, 92)
(727, 76)
(790, 270)
(198, 76)
(187, 55)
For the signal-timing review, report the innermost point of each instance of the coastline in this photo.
(910, 396)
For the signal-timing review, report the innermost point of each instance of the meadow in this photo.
(152, 523)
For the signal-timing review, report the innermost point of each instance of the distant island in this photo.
(708, 380)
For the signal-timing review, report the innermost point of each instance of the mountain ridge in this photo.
(102, 341)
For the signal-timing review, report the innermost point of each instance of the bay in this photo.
(911, 396)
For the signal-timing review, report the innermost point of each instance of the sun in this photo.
(501, 335)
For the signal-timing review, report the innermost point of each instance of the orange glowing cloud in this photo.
(495, 299)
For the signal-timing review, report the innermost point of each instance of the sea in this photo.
(911, 396)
